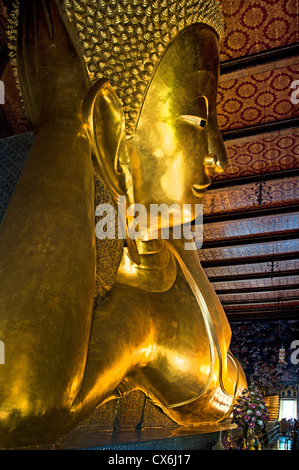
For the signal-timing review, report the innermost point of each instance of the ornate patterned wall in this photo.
(260, 95)
(263, 153)
(254, 26)
(257, 195)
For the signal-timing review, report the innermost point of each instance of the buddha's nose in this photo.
(216, 160)
(210, 161)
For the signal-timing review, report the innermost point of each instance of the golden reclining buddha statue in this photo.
(124, 90)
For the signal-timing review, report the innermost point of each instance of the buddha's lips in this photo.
(199, 191)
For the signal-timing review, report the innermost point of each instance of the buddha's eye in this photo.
(198, 121)
(195, 112)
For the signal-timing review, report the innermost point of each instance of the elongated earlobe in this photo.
(103, 113)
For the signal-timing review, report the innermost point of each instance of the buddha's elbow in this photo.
(29, 425)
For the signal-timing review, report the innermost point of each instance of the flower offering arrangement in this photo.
(251, 415)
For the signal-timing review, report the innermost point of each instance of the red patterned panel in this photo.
(260, 296)
(261, 154)
(257, 98)
(252, 196)
(242, 269)
(255, 226)
(247, 251)
(261, 306)
(257, 283)
(257, 25)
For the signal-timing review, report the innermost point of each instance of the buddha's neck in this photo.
(156, 271)
(152, 253)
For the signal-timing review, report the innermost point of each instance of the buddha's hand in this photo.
(52, 72)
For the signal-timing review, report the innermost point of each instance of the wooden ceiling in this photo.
(251, 242)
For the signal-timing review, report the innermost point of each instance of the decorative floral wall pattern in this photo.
(256, 344)
(267, 224)
(264, 154)
(246, 251)
(260, 97)
(257, 195)
(254, 26)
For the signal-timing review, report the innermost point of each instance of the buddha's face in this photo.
(177, 143)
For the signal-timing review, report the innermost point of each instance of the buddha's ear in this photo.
(103, 111)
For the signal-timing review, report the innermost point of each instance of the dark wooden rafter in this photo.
(273, 308)
(277, 301)
(262, 314)
(252, 239)
(251, 276)
(228, 183)
(249, 214)
(246, 260)
(291, 123)
(264, 308)
(257, 290)
(259, 58)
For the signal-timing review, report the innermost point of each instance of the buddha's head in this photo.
(155, 66)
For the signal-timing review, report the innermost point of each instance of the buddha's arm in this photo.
(47, 254)
(47, 241)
